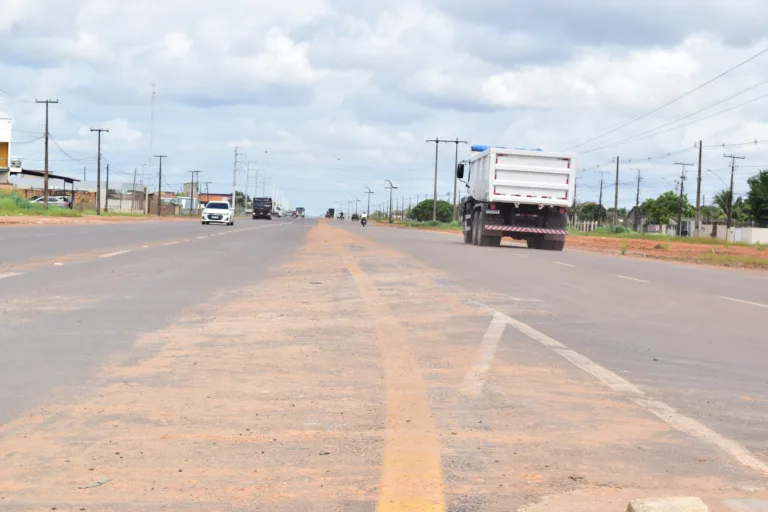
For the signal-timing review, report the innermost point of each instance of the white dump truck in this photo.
(522, 194)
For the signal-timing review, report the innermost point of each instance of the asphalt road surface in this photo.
(318, 365)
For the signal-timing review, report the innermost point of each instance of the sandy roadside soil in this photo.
(335, 384)
(22, 220)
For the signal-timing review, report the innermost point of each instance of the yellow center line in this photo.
(412, 478)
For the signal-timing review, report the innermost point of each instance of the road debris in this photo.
(97, 483)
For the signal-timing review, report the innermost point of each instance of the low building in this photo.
(205, 198)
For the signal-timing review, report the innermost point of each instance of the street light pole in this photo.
(369, 192)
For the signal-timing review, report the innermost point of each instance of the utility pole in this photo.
(391, 187)
(600, 201)
(729, 220)
(455, 178)
(106, 196)
(234, 182)
(98, 170)
(196, 180)
(133, 192)
(697, 222)
(368, 191)
(84, 178)
(191, 190)
(160, 182)
(437, 142)
(616, 196)
(47, 135)
(680, 210)
(637, 203)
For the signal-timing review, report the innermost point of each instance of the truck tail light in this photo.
(562, 211)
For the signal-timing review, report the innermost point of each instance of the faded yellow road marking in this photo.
(412, 478)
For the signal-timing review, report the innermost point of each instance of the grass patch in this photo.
(733, 260)
(12, 204)
(605, 232)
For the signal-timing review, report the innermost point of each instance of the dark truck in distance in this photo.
(262, 208)
(330, 213)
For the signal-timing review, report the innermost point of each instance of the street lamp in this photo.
(368, 192)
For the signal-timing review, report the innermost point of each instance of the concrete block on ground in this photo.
(674, 504)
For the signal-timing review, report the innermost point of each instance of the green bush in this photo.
(423, 211)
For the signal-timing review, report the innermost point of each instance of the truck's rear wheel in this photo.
(554, 245)
(535, 243)
(476, 228)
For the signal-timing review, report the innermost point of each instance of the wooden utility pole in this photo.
(133, 192)
(455, 178)
(106, 196)
(637, 204)
(47, 136)
(697, 222)
(616, 196)
(680, 208)
(599, 202)
(98, 169)
(160, 182)
(729, 219)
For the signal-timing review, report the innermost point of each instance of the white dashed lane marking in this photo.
(633, 279)
(746, 302)
(116, 253)
(658, 408)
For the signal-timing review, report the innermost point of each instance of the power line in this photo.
(672, 101)
(685, 124)
(67, 154)
(641, 135)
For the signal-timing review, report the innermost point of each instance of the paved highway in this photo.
(319, 365)
(692, 334)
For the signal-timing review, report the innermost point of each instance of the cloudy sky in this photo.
(326, 97)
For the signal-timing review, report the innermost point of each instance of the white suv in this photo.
(218, 212)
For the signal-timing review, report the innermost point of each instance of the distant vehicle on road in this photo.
(301, 211)
(341, 215)
(523, 194)
(355, 216)
(218, 212)
(330, 213)
(262, 208)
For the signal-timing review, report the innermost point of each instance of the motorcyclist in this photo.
(364, 219)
